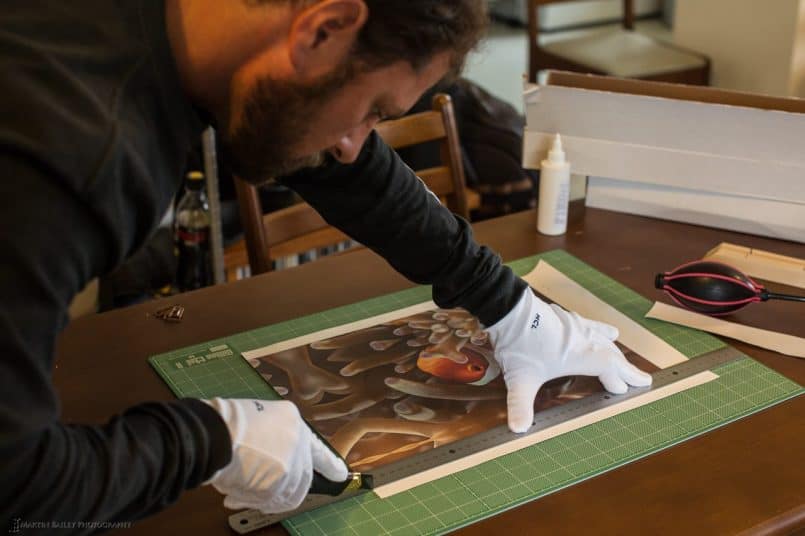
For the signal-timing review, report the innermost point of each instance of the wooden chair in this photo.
(300, 228)
(624, 53)
(446, 181)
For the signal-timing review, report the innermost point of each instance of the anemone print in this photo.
(398, 388)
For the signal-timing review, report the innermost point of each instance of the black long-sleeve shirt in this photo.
(94, 130)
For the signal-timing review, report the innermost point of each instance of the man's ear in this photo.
(323, 34)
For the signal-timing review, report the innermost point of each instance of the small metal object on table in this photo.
(171, 313)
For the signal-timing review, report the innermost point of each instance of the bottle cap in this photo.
(194, 180)
(556, 155)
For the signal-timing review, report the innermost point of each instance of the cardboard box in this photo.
(701, 155)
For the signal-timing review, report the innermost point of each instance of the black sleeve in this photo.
(139, 461)
(381, 203)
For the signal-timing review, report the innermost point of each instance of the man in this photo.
(102, 100)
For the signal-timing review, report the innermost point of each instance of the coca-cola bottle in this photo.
(192, 235)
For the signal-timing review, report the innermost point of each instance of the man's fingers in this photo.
(620, 373)
(295, 492)
(327, 463)
(237, 503)
(606, 330)
(520, 403)
(267, 506)
(634, 376)
(613, 383)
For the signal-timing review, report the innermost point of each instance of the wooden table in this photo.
(749, 475)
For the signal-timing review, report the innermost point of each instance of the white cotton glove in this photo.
(536, 342)
(274, 454)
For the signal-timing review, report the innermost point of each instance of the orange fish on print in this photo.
(465, 365)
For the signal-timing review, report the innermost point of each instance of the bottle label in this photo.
(560, 217)
(192, 237)
(194, 268)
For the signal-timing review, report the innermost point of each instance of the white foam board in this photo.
(776, 219)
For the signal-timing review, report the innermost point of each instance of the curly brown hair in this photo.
(416, 30)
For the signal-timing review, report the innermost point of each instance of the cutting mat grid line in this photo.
(743, 387)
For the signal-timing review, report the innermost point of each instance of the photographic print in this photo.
(405, 386)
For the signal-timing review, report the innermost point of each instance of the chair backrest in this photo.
(446, 181)
(288, 231)
(300, 228)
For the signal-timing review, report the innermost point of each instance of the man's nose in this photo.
(349, 146)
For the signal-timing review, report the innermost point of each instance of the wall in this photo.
(754, 46)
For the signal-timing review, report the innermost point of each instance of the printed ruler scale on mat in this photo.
(250, 520)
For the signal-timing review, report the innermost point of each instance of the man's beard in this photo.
(277, 117)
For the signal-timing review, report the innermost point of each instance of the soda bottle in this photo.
(192, 235)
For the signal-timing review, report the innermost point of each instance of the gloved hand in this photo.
(536, 342)
(274, 454)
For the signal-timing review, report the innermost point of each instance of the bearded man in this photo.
(102, 100)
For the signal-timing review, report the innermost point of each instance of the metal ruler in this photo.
(249, 520)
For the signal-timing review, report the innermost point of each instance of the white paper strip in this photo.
(772, 340)
(526, 441)
(339, 330)
(761, 264)
(561, 289)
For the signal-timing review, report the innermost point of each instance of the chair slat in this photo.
(291, 222)
(314, 240)
(412, 129)
(438, 180)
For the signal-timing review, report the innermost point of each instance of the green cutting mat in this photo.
(215, 368)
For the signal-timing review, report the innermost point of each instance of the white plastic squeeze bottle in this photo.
(554, 191)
